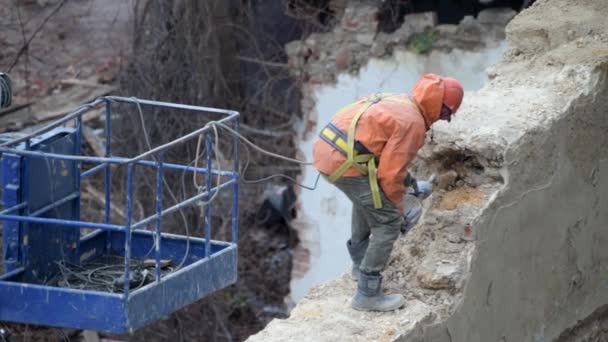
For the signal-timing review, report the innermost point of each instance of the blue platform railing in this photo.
(153, 158)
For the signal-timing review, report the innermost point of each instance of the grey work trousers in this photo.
(380, 226)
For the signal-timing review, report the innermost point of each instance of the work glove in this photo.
(423, 189)
(411, 182)
(411, 218)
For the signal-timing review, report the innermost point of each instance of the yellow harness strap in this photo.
(364, 163)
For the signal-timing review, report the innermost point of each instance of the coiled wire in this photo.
(6, 91)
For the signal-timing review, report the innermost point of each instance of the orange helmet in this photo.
(437, 97)
(452, 93)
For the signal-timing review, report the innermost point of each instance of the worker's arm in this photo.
(404, 140)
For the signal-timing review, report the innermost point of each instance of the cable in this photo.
(256, 147)
(263, 151)
(218, 163)
(173, 197)
(243, 170)
(6, 91)
(280, 175)
(217, 153)
(197, 186)
(106, 276)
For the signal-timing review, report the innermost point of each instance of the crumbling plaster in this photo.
(541, 259)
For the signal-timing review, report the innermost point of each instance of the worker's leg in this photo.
(384, 224)
(359, 240)
(360, 229)
(352, 187)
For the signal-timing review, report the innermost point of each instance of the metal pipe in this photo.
(149, 163)
(183, 204)
(25, 197)
(93, 170)
(107, 174)
(235, 187)
(179, 140)
(107, 185)
(77, 180)
(87, 107)
(56, 204)
(63, 222)
(13, 208)
(209, 151)
(12, 273)
(167, 104)
(186, 168)
(46, 155)
(114, 160)
(159, 211)
(130, 169)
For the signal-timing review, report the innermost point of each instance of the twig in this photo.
(15, 108)
(100, 198)
(75, 81)
(27, 59)
(38, 29)
(93, 141)
(262, 62)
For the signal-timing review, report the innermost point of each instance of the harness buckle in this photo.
(377, 98)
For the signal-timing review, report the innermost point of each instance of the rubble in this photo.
(358, 39)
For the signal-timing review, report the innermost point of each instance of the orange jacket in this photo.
(392, 131)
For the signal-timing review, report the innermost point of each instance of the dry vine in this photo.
(221, 54)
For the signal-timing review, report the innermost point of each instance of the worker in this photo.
(365, 152)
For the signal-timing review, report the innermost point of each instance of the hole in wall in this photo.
(391, 13)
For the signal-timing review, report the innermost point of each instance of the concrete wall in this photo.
(541, 257)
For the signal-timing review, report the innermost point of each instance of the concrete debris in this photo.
(442, 275)
(495, 16)
(360, 18)
(446, 179)
(358, 39)
(513, 246)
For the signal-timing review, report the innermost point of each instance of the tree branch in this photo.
(38, 29)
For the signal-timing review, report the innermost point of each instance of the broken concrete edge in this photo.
(539, 269)
(518, 297)
(589, 329)
(319, 58)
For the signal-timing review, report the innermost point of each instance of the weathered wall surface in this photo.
(512, 247)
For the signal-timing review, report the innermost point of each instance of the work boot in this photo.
(369, 296)
(357, 252)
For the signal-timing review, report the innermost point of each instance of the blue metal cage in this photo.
(41, 223)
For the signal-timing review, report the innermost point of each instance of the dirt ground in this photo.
(460, 196)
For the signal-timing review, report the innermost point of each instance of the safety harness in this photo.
(357, 155)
